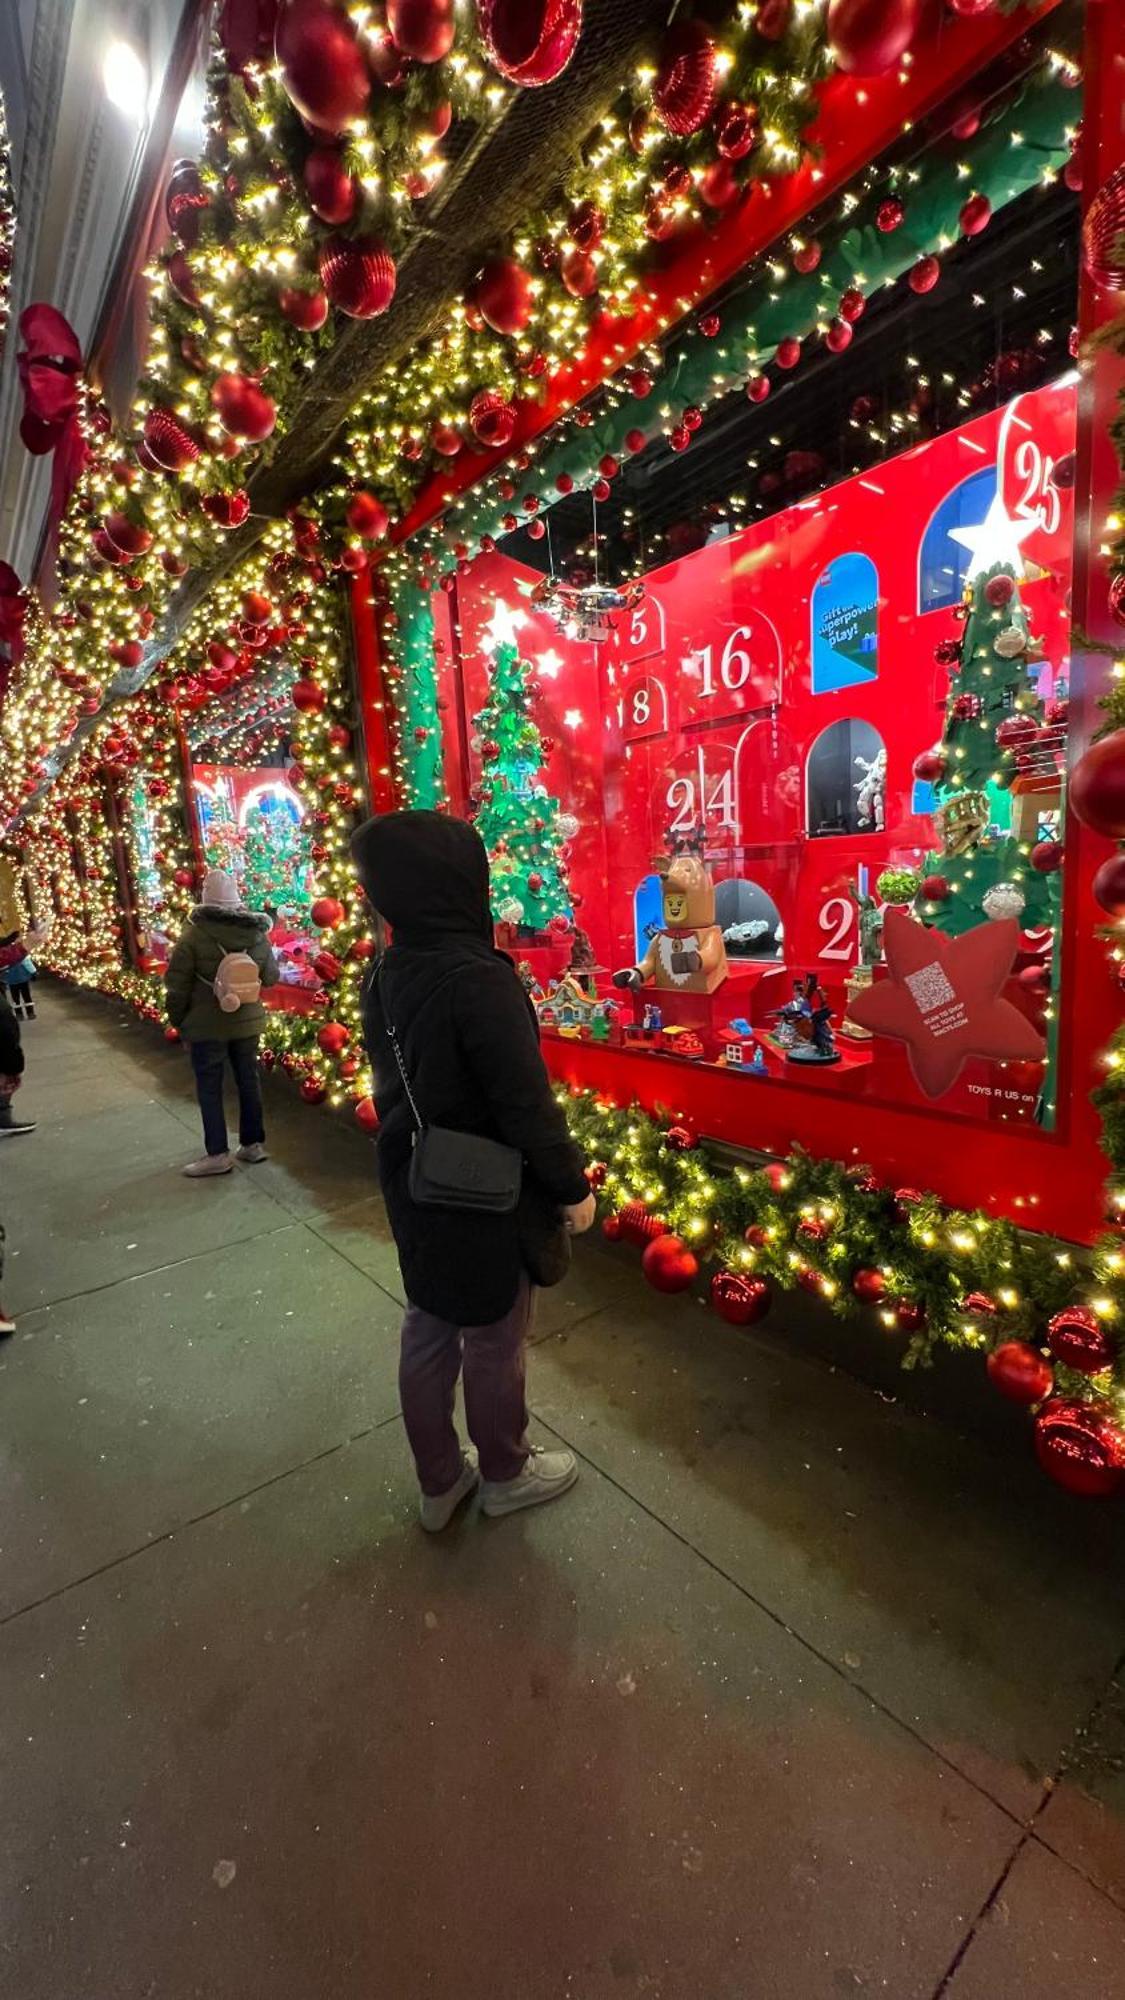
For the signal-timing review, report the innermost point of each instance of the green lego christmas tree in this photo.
(994, 773)
(276, 865)
(519, 823)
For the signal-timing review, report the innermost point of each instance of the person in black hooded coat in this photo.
(469, 1039)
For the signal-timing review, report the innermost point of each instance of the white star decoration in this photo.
(550, 664)
(998, 539)
(504, 627)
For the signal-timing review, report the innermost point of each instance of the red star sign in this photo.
(943, 999)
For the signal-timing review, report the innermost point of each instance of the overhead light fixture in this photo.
(125, 80)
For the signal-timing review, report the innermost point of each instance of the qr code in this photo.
(930, 988)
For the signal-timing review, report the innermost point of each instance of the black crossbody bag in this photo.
(455, 1170)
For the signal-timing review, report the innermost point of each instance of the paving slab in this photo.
(1047, 1936)
(961, 1591)
(133, 1409)
(1084, 1819)
(300, 1750)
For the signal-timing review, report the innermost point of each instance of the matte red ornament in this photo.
(243, 409)
(635, 441)
(929, 767)
(423, 29)
(669, 1265)
(867, 37)
(307, 311)
(227, 510)
(332, 192)
(333, 1038)
(537, 530)
(1077, 1338)
(684, 91)
(868, 1285)
(890, 215)
(758, 388)
(367, 517)
(321, 63)
(788, 352)
(1020, 1372)
(564, 483)
(492, 419)
(1097, 786)
(976, 214)
(1102, 234)
(579, 274)
(1081, 1447)
(358, 275)
(924, 275)
(529, 41)
(1047, 855)
(504, 295)
(838, 336)
(307, 697)
(737, 130)
(183, 878)
(999, 590)
(1109, 882)
(944, 999)
(738, 1300)
(935, 889)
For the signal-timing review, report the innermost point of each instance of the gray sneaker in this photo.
(545, 1476)
(437, 1509)
(252, 1156)
(212, 1163)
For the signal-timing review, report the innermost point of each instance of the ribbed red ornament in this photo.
(529, 41)
(492, 418)
(321, 63)
(684, 91)
(358, 276)
(1103, 234)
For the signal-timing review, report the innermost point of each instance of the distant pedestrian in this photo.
(11, 1050)
(17, 978)
(466, 1070)
(213, 982)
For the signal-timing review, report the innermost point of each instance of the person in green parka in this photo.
(206, 969)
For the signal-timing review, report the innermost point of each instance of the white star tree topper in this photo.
(997, 539)
(503, 629)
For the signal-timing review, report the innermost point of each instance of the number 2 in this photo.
(1039, 500)
(838, 916)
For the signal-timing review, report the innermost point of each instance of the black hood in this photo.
(426, 874)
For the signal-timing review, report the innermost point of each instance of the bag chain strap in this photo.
(396, 1051)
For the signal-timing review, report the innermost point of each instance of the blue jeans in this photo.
(208, 1060)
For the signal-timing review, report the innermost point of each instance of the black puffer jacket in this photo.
(471, 1044)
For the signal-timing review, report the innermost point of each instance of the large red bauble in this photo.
(358, 275)
(132, 538)
(1109, 882)
(227, 510)
(185, 202)
(492, 419)
(181, 277)
(366, 1114)
(1081, 1447)
(579, 274)
(446, 439)
(1077, 1338)
(929, 767)
(307, 311)
(367, 517)
(1047, 855)
(924, 275)
(1102, 232)
(684, 91)
(1097, 786)
(422, 29)
(738, 1300)
(867, 37)
(333, 1038)
(503, 292)
(717, 184)
(1020, 1372)
(243, 409)
(307, 697)
(529, 41)
(327, 912)
(256, 607)
(171, 443)
(669, 1265)
(869, 1285)
(321, 63)
(127, 652)
(331, 190)
(246, 31)
(976, 214)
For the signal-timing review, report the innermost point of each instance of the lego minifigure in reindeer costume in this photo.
(687, 955)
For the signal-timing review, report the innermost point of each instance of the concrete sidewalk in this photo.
(798, 1695)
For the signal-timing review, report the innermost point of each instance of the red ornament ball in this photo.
(358, 274)
(321, 64)
(611, 1229)
(492, 419)
(1047, 855)
(367, 517)
(679, 437)
(935, 889)
(307, 697)
(910, 1315)
(446, 439)
(586, 225)
(422, 29)
(227, 510)
(579, 274)
(737, 130)
(681, 1138)
(596, 1174)
(839, 336)
(975, 215)
(640, 383)
(333, 1038)
(924, 275)
(313, 1091)
(1117, 598)
(307, 311)
(806, 257)
(529, 41)
(635, 440)
(172, 444)
(1102, 234)
(738, 1300)
(869, 1285)
(1109, 882)
(327, 912)
(332, 192)
(777, 1175)
(669, 1265)
(1081, 1447)
(890, 215)
(758, 388)
(929, 767)
(601, 489)
(504, 294)
(366, 1116)
(171, 1034)
(684, 91)
(788, 352)
(868, 37)
(638, 1226)
(999, 590)
(853, 305)
(1097, 786)
(1016, 732)
(1019, 1372)
(1077, 1338)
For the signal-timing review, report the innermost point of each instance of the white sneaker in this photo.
(437, 1509)
(546, 1475)
(252, 1156)
(213, 1163)
(7, 1323)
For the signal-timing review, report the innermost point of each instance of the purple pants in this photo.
(434, 1352)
